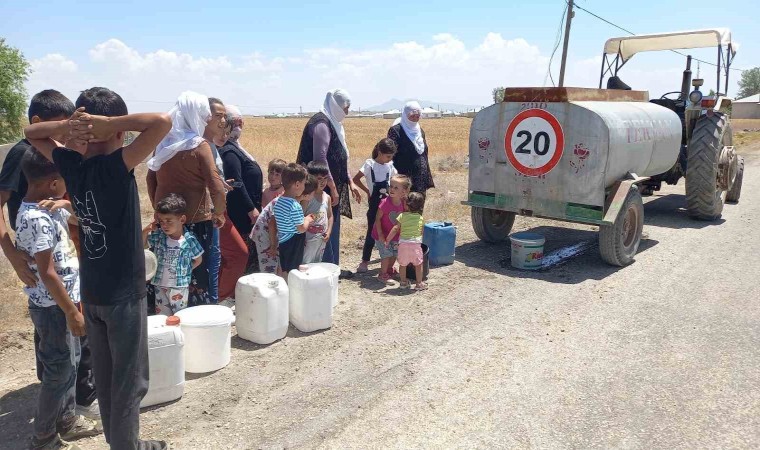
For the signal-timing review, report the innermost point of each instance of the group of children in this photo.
(293, 229)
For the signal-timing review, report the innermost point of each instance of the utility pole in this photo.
(570, 14)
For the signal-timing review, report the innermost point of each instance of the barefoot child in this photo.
(387, 214)
(290, 220)
(264, 232)
(410, 226)
(53, 304)
(318, 205)
(99, 175)
(274, 178)
(177, 251)
(379, 170)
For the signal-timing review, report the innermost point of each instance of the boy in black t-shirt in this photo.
(100, 179)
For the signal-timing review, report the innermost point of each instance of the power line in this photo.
(634, 34)
(557, 41)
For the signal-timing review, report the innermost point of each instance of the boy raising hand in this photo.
(99, 175)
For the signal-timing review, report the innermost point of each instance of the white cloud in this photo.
(443, 69)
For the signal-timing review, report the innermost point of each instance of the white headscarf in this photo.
(189, 118)
(335, 101)
(412, 129)
(233, 112)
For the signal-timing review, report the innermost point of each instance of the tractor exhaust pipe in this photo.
(686, 83)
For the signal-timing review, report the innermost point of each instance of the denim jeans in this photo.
(214, 264)
(58, 354)
(119, 343)
(332, 250)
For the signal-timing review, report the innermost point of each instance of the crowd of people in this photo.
(73, 203)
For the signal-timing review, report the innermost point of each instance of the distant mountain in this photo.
(395, 103)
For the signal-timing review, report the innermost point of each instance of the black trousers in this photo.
(118, 337)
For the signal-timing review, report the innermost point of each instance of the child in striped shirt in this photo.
(289, 218)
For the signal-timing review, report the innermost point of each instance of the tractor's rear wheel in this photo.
(736, 190)
(704, 198)
(492, 225)
(618, 243)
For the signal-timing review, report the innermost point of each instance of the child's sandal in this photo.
(422, 286)
(405, 285)
(384, 278)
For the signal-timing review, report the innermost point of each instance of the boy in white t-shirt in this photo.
(378, 171)
(53, 304)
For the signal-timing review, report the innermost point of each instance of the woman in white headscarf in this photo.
(412, 156)
(324, 139)
(184, 164)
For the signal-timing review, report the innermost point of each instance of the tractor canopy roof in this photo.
(628, 46)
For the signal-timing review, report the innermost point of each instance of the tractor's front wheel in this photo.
(736, 190)
(619, 242)
(709, 141)
(492, 225)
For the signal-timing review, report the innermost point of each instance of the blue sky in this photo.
(277, 56)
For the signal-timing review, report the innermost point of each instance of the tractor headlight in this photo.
(695, 97)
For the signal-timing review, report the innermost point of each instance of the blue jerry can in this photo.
(440, 237)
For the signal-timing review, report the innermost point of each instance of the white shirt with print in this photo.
(38, 230)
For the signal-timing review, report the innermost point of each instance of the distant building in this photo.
(392, 114)
(430, 113)
(746, 108)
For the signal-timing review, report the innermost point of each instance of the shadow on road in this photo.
(669, 211)
(16, 413)
(586, 265)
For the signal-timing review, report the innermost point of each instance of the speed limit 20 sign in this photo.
(534, 142)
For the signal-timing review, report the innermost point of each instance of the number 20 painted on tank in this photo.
(534, 142)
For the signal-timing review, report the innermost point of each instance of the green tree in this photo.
(13, 73)
(498, 94)
(750, 83)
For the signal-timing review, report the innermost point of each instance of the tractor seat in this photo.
(615, 82)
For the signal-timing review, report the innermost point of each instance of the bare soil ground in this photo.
(661, 354)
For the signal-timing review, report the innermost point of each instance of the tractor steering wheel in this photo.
(664, 96)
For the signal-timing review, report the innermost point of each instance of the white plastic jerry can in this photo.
(166, 345)
(261, 308)
(311, 292)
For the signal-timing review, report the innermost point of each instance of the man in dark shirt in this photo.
(99, 177)
(47, 105)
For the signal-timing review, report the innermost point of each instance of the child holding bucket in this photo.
(410, 227)
(177, 251)
(387, 213)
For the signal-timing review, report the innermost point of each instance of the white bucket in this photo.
(527, 250)
(334, 269)
(207, 337)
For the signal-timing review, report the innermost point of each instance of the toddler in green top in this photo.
(410, 224)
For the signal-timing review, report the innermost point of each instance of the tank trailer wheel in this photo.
(618, 243)
(709, 166)
(736, 189)
(491, 225)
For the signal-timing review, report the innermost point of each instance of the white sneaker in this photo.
(91, 412)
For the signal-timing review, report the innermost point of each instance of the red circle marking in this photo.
(558, 150)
